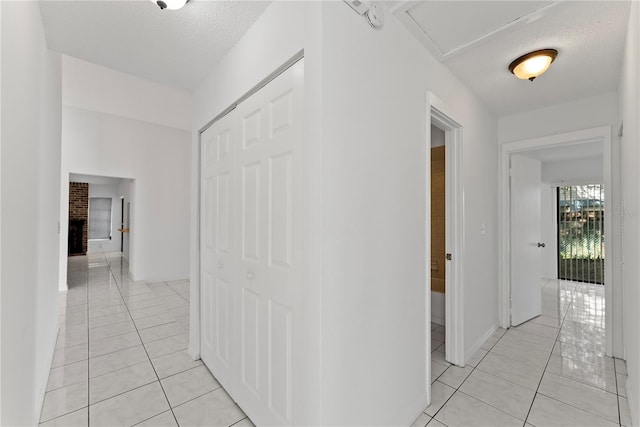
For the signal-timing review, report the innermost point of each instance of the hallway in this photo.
(121, 355)
(550, 371)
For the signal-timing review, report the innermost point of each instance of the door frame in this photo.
(441, 116)
(613, 311)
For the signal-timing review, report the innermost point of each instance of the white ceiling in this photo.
(477, 40)
(174, 47)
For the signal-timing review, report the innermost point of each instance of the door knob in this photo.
(541, 245)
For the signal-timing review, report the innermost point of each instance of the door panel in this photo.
(281, 210)
(250, 214)
(217, 248)
(280, 359)
(253, 214)
(526, 293)
(250, 344)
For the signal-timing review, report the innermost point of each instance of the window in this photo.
(99, 218)
(581, 211)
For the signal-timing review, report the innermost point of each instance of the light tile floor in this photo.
(121, 359)
(550, 371)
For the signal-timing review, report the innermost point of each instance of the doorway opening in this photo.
(98, 216)
(563, 149)
(444, 236)
(438, 239)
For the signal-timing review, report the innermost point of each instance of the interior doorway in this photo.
(444, 255)
(562, 148)
(438, 241)
(98, 214)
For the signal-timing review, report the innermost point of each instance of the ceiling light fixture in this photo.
(170, 4)
(533, 64)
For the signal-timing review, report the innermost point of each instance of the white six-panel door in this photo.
(251, 247)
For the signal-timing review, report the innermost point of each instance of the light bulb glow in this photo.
(533, 64)
(175, 4)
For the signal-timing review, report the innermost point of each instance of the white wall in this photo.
(375, 190)
(629, 95)
(94, 87)
(437, 137)
(30, 211)
(157, 158)
(119, 125)
(593, 111)
(583, 171)
(366, 253)
(111, 191)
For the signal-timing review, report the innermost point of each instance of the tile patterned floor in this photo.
(121, 359)
(550, 371)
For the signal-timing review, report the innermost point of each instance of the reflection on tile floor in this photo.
(121, 356)
(550, 371)
(121, 360)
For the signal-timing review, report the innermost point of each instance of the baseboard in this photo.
(480, 342)
(438, 308)
(42, 389)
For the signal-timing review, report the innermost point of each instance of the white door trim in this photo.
(602, 134)
(443, 118)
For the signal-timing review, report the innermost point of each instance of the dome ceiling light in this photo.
(170, 4)
(533, 64)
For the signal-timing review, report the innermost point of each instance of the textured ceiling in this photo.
(589, 36)
(173, 47)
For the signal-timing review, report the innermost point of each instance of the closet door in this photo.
(218, 248)
(251, 250)
(268, 161)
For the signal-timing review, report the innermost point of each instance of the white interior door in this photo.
(218, 247)
(526, 294)
(252, 250)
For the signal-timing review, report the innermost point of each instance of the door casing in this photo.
(613, 313)
(442, 117)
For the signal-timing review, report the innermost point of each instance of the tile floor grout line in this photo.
(121, 393)
(204, 394)
(148, 357)
(463, 381)
(86, 284)
(60, 416)
(551, 353)
(246, 418)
